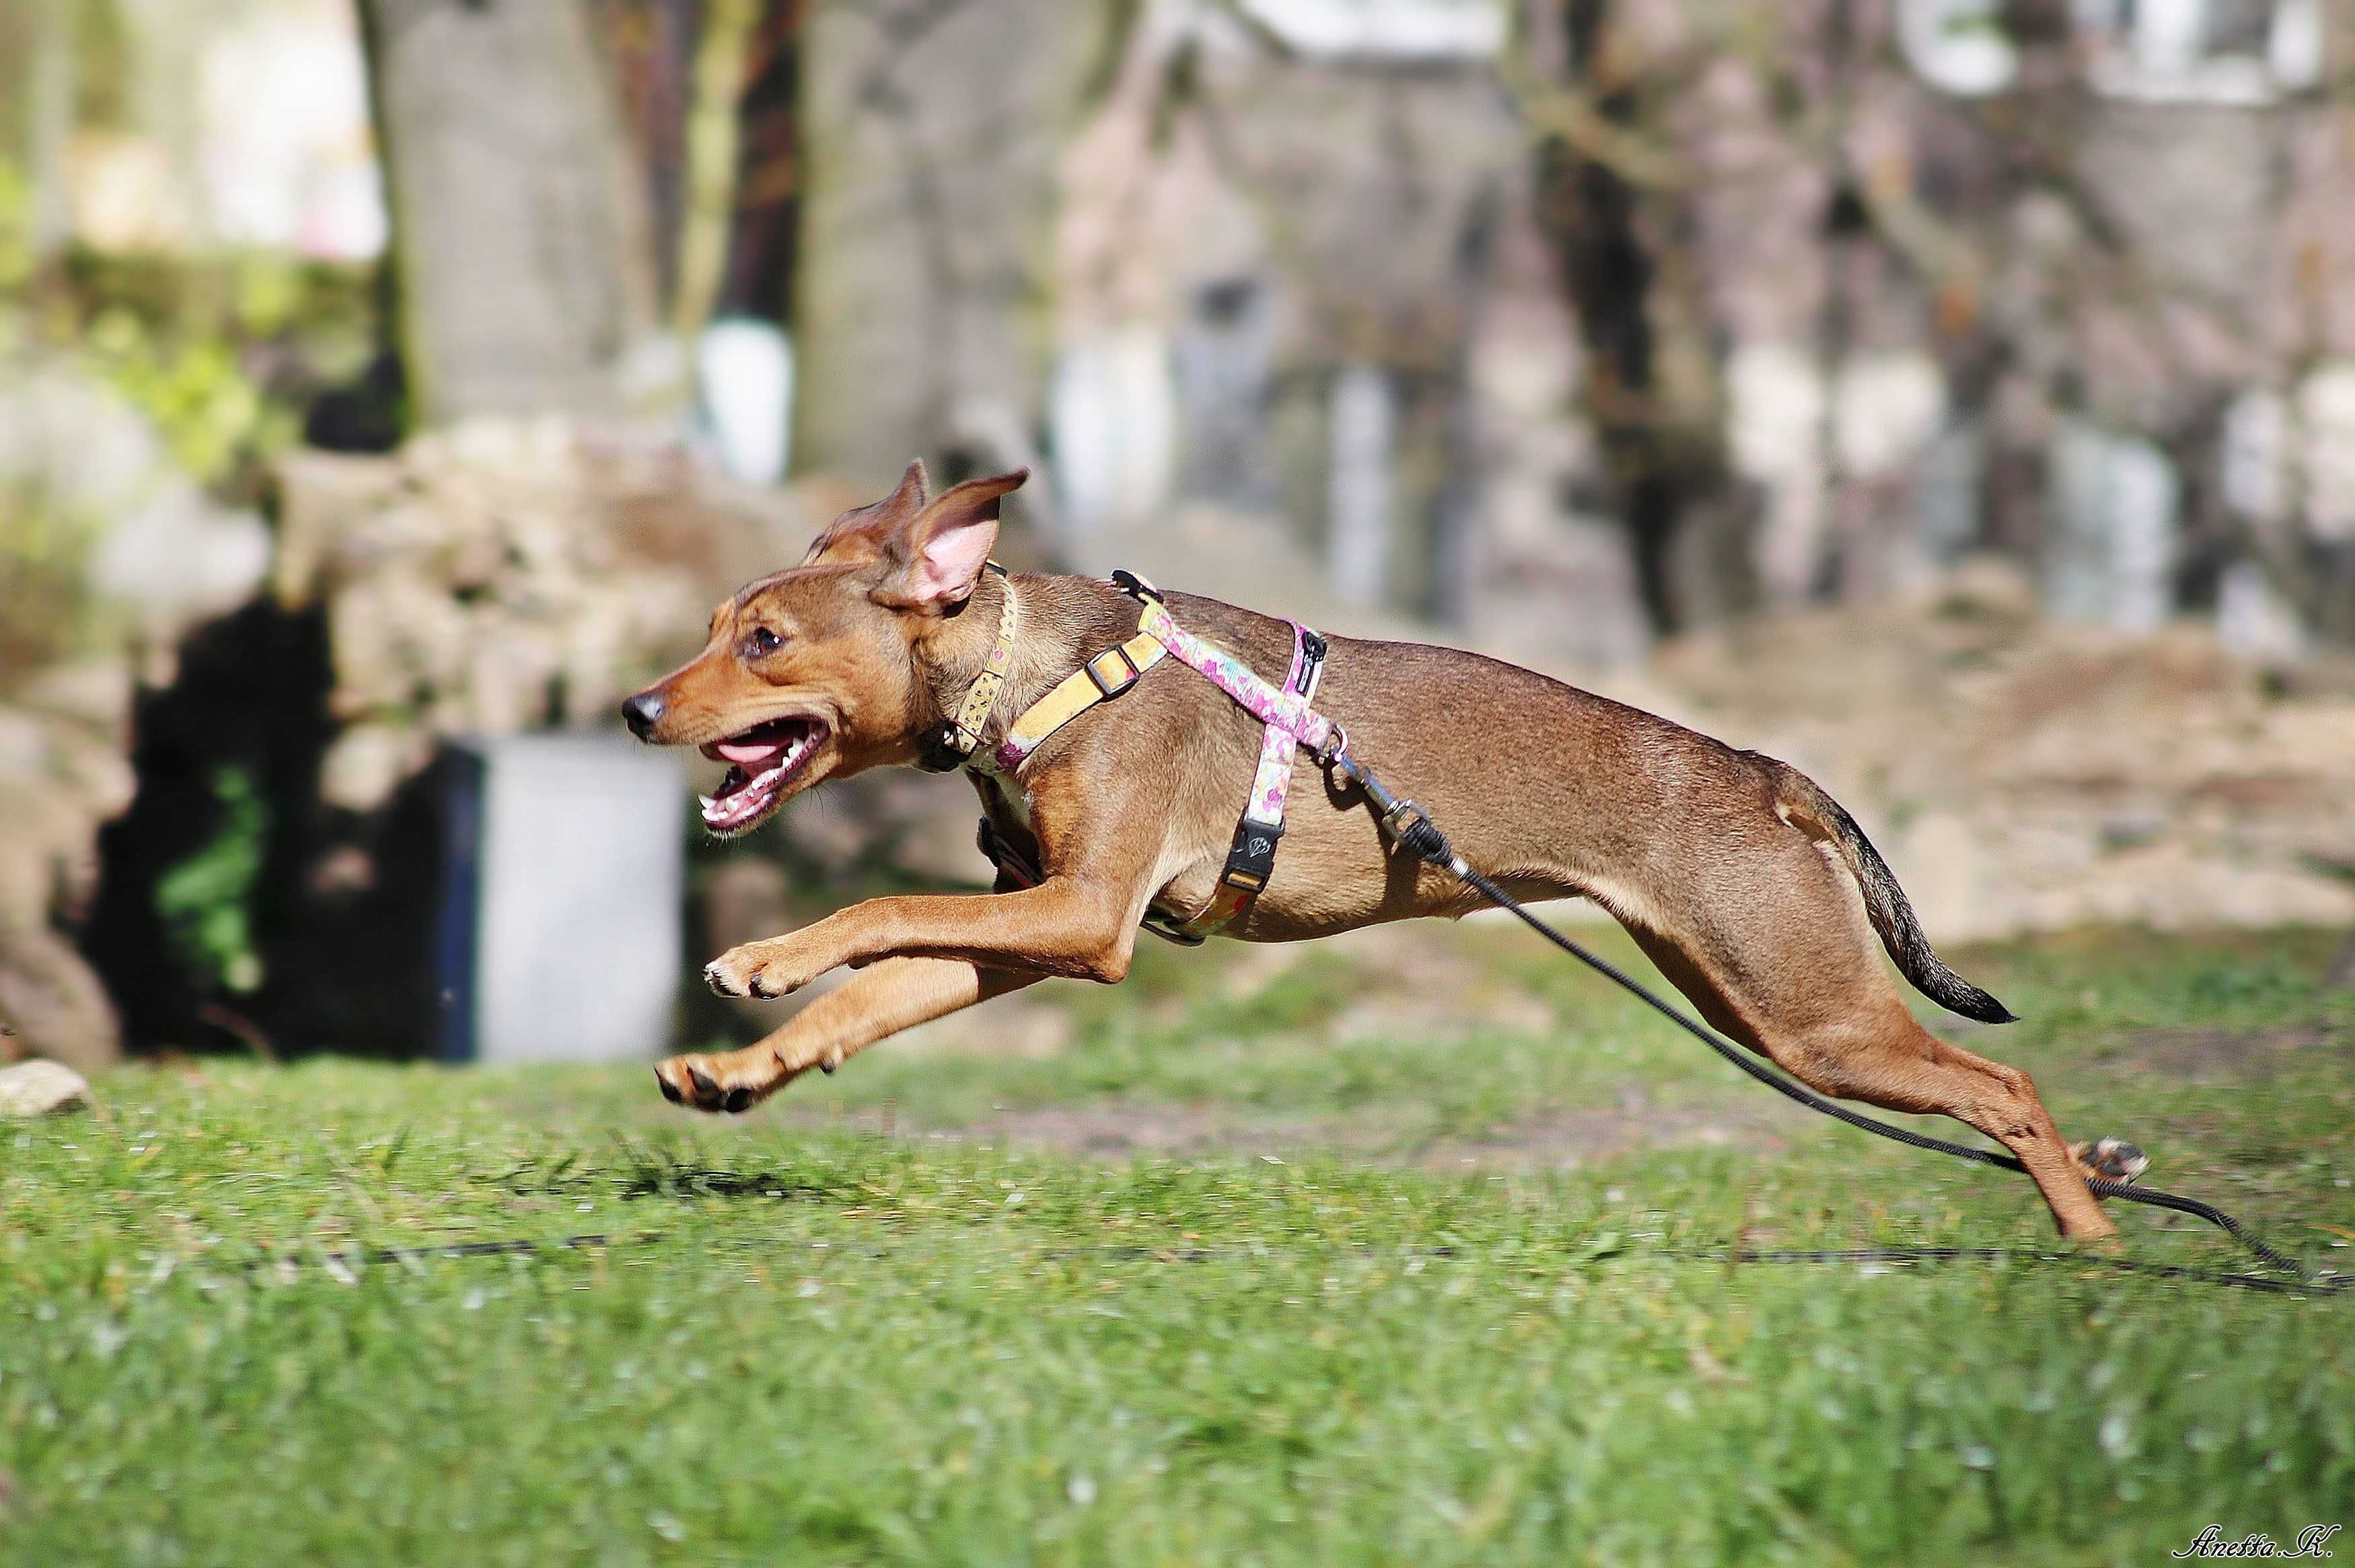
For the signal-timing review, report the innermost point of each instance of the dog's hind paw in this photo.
(2112, 1159)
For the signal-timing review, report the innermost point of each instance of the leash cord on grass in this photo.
(1412, 829)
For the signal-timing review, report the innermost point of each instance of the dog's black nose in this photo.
(644, 711)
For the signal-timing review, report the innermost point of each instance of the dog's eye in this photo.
(761, 642)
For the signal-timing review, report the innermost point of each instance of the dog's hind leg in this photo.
(881, 1001)
(1789, 969)
(1904, 1067)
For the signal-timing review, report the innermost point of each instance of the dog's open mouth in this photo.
(761, 762)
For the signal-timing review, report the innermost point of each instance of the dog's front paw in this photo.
(756, 968)
(733, 1081)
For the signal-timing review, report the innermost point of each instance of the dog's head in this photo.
(817, 671)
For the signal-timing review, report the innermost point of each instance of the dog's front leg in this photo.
(1067, 927)
(1097, 827)
(896, 994)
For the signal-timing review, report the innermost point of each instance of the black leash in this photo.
(1411, 827)
(2330, 1285)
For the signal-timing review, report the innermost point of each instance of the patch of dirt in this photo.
(1566, 1141)
(2253, 1056)
(2026, 776)
(1556, 1140)
(1121, 1132)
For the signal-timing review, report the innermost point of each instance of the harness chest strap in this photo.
(1251, 859)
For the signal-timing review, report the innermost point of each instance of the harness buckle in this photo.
(1112, 686)
(1252, 859)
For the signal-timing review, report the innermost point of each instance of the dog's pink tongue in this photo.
(752, 756)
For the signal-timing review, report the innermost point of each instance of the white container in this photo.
(577, 888)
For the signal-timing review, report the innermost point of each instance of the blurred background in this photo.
(1956, 397)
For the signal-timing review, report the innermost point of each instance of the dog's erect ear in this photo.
(877, 522)
(939, 556)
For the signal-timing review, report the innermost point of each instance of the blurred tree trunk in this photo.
(712, 149)
(650, 50)
(2329, 603)
(923, 293)
(37, 101)
(526, 275)
(1648, 390)
(765, 221)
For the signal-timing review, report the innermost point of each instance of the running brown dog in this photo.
(1750, 888)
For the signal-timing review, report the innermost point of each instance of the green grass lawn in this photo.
(1427, 1282)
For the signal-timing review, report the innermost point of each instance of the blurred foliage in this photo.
(215, 418)
(41, 554)
(40, 550)
(206, 900)
(16, 257)
(224, 354)
(105, 50)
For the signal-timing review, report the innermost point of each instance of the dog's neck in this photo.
(951, 653)
(1061, 622)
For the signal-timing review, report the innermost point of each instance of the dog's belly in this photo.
(1336, 873)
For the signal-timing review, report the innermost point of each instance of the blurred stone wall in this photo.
(63, 772)
(500, 576)
(109, 554)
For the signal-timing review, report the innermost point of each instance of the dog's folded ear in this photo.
(937, 558)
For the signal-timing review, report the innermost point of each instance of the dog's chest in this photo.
(1006, 809)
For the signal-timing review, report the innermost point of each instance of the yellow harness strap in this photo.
(1102, 678)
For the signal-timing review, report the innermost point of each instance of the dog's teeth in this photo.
(709, 804)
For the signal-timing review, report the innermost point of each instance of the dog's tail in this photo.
(1816, 813)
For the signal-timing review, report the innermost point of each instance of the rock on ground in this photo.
(38, 1088)
(51, 1003)
(64, 734)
